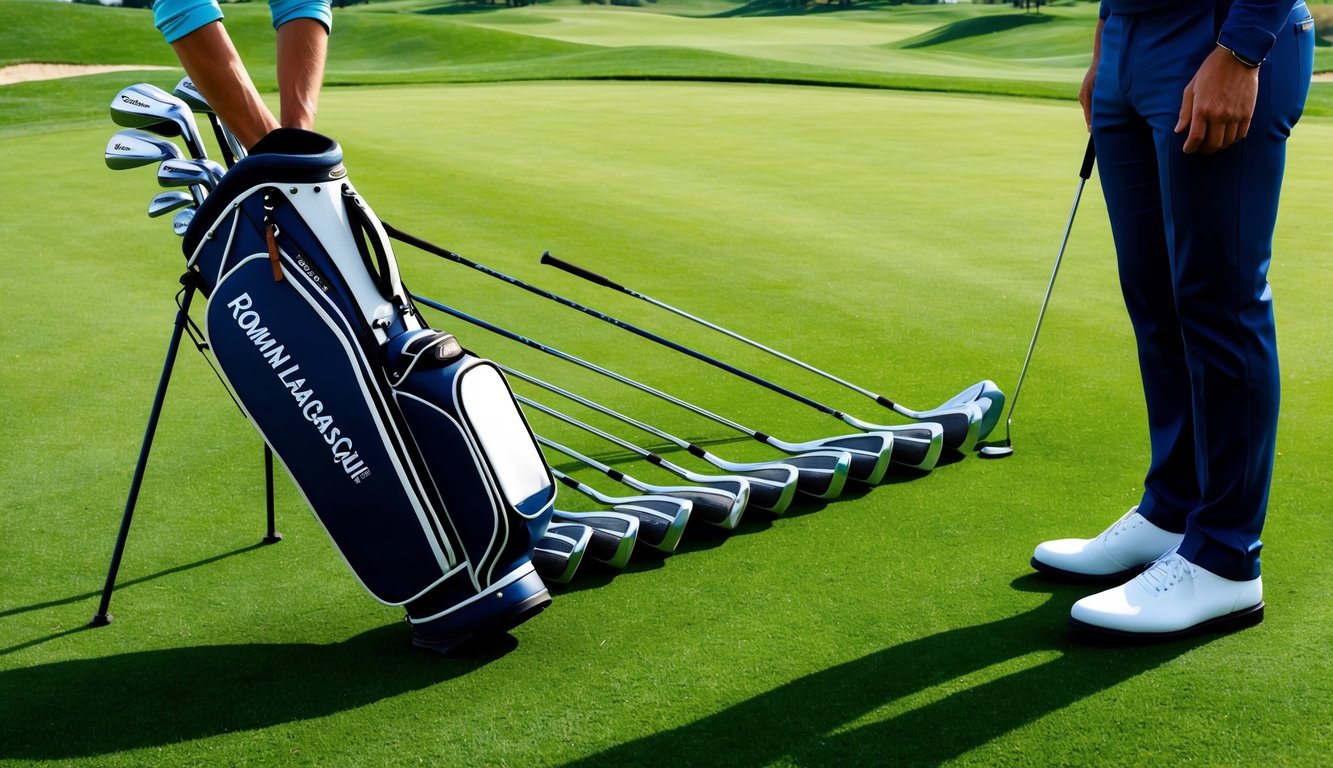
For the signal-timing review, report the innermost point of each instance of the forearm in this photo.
(211, 61)
(302, 48)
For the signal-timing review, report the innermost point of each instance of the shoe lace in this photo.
(1123, 523)
(1166, 573)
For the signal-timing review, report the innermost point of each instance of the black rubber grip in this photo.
(571, 482)
(1089, 158)
(696, 451)
(616, 475)
(653, 459)
(761, 437)
(586, 274)
(884, 401)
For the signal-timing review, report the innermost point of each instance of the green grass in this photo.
(904, 238)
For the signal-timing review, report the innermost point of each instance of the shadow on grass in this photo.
(911, 703)
(92, 707)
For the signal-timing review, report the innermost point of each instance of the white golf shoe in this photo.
(1173, 598)
(1117, 552)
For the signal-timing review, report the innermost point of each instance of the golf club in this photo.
(915, 446)
(966, 417)
(187, 173)
(181, 221)
(821, 474)
(166, 202)
(613, 534)
(186, 91)
(132, 148)
(153, 109)
(1006, 448)
(558, 553)
(712, 505)
(661, 519)
(869, 452)
(772, 495)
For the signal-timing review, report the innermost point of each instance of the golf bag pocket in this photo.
(411, 452)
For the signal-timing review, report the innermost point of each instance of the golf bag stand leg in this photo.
(190, 281)
(272, 536)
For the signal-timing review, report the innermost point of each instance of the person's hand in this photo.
(1218, 103)
(1085, 94)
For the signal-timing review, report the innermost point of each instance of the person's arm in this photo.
(211, 61)
(1090, 79)
(1217, 105)
(302, 48)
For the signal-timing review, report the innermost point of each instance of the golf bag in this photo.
(412, 453)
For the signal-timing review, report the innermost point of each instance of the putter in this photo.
(821, 474)
(966, 417)
(613, 534)
(661, 519)
(712, 505)
(869, 452)
(153, 109)
(772, 495)
(915, 446)
(1006, 448)
(132, 148)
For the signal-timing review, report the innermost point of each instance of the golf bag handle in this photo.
(1089, 158)
(586, 274)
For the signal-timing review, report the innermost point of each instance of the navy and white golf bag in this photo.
(411, 452)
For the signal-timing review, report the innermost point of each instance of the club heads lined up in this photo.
(153, 118)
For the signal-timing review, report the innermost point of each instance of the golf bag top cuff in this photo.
(284, 156)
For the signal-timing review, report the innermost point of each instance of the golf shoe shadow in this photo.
(914, 703)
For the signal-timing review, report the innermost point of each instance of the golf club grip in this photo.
(1089, 157)
(586, 274)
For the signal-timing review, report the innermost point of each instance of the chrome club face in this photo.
(181, 221)
(166, 202)
(132, 148)
(153, 109)
(192, 173)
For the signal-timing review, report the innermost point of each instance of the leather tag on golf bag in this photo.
(411, 452)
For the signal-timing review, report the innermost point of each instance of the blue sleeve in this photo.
(1252, 26)
(177, 18)
(284, 11)
(1103, 10)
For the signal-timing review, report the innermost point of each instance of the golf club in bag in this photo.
(411, 452)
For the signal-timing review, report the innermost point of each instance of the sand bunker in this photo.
(20, 73)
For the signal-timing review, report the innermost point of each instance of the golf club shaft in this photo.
(606, 282)
(398, 234)
(1085, 172)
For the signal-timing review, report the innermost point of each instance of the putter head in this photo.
(132, 148)
(166, 202)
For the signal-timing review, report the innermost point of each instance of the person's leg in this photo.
(1127, 169)
(1224, 208)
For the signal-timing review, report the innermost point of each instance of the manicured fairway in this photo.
(902, 240)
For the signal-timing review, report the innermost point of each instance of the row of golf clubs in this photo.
(151, 118)
(818, 468)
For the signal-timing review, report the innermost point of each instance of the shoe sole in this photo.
(1118, 576)
(1232, 622)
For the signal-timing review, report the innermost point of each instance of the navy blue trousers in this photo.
(1193, 237)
